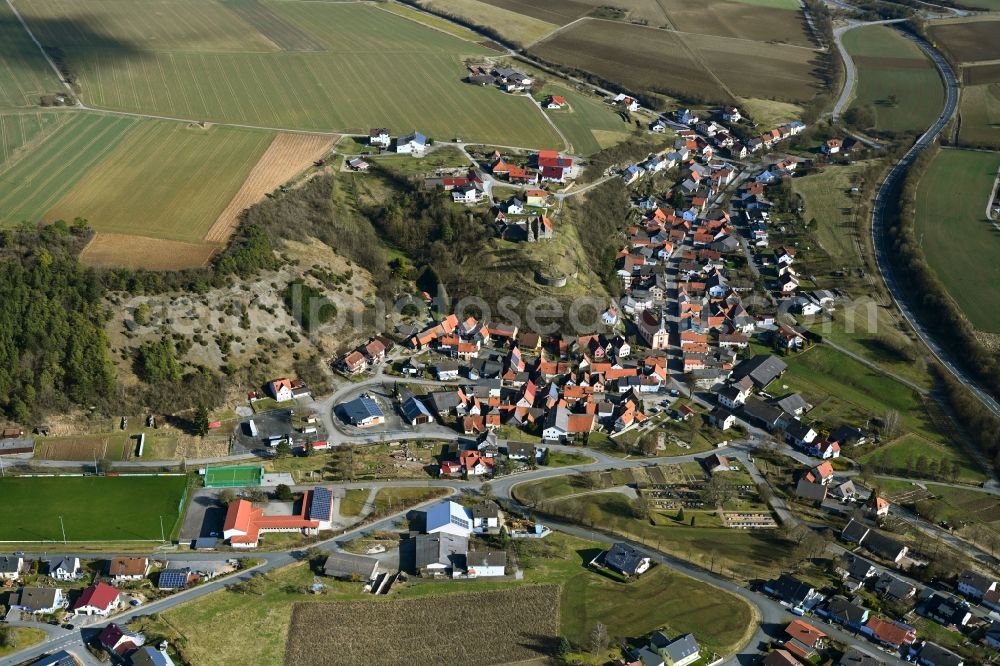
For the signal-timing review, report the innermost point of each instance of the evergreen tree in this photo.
(201, 421)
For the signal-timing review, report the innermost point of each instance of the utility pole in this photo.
(63, 526)
(162, 536)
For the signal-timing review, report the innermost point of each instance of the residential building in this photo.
(65, 569)
(10, 567)
(855, 656)
(680, 651)
(117, 641)
(794, 592)
(411, 144)
(280, 389)
(485, 563)
(41, 599)
(147, 655)
(98, 599)
(945, 610)
(889, 634)
(379, 137)
(625, 559)
(975, 585)
(838, 609)
(932, 654)
(124, 569)
(803, 639)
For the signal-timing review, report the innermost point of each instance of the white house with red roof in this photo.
(99, 599)
(555, 102)
(281, 389)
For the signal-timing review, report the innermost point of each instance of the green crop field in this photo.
(979, 110)
(585, 120)
(37, 179)
(24, 74)
(92, 508)
(890, 64)
(22, 129)
(165, 180)
(955, 235)
(302, 65)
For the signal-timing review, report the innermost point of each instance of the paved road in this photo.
(900, 289)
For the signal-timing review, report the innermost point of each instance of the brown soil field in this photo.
(155, 254)
(287, 156)
(82, 448)
(754, 69)
(738, 20)
(968, 41)
(981, 74)
(636, 57)
(521, 623)
(559, 12)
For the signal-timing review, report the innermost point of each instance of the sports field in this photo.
(961, 246)
(231, 477)
(302, 65)
(980, 112)
(92, 508)
(165, 180)
(890, 64)
(33, 183)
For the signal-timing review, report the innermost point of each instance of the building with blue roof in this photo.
(363, 412)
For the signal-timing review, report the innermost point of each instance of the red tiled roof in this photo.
(101, 595)
(804, 632)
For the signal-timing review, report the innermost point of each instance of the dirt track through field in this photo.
(287, 156)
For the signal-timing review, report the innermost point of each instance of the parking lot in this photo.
(278, 423)
(205, 516)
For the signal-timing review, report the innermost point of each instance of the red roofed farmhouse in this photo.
(245, 522)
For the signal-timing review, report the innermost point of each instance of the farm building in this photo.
(347, 566)
(485, 563)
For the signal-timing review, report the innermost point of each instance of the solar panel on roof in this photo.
(173, 578)
(319, 506)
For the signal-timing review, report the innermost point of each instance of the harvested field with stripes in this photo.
(286, 157)
(166, 180)
(24, 74)
(22, 130)
(522, 624)
(675, 63)
(33, 183)
(330, 67)
(156, 254)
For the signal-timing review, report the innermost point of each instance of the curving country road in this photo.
(899, 290)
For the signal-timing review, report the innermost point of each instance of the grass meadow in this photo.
(979, 109)
(955, 235)
(93, 509)
(890, 64)
(585, 120)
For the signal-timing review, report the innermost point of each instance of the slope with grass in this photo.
(31, 184)
(957, 239)
(587, 123)
(895, 79)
